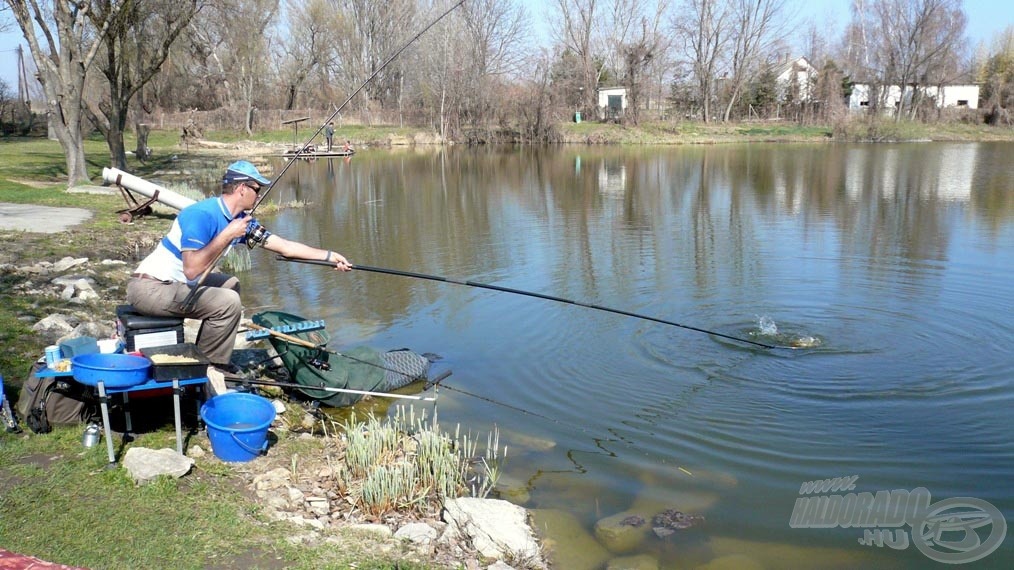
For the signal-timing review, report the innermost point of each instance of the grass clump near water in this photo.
(405, 463)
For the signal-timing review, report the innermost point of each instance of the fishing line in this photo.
(538, 296)
(517, 409)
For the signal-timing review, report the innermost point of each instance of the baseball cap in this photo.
(241, 171)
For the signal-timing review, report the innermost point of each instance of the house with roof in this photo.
(795, 78)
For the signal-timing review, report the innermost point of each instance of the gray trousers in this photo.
(217, 305)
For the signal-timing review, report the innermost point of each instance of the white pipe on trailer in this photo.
(142, 186)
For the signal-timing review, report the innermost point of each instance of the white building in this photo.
(796, 73)
(612, 102)
(957, 96)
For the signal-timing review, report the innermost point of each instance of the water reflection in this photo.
(896, 257)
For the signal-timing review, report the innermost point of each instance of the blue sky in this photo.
(986, 18)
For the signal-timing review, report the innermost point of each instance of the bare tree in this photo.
(756, 25)
(247, 33)
(702, 25)
(7, 101)
(575, 31)
(997, 77)
(64, 44)
(137, 42)
(369, 32)
(438, 73)
(904, 42)
(644, 48)
(6, 25)
(309, 46)
(494, 48)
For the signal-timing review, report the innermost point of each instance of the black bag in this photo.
(45, 402)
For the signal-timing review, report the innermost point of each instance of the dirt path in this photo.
(40, 219)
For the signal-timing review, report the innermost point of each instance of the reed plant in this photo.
(405, 462)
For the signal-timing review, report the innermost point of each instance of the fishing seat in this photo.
(139, 331)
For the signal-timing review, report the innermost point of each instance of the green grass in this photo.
(58, 502)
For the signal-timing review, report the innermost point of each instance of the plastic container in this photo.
(114, 370)
(180, 370)
(238, 425)
(78, 346)
(53, 356)
(109, 345)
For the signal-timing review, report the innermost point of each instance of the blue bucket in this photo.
(238, 425)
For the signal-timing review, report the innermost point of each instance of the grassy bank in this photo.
(57, 500)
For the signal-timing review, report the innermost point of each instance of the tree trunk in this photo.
(114, 134)
(142, 151)
(117, 152)
(66, 127)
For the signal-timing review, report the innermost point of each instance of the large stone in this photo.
(624, 531)
(521, 442)
(567, 541)
(68, 262)
(145, 464)
(377, 530)
(56, 325)
(497, 529)
(418, 533)
(513, 489)
(637, 562)
(277, 478)
(580, 494)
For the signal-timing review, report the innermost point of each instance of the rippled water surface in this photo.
(891, 266)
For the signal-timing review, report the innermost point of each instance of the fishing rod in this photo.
(538, 296)
(191, 297)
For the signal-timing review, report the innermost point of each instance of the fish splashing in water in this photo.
(766, 327)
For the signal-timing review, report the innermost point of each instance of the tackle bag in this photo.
(45, 402)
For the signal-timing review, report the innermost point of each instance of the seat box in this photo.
(141, 331)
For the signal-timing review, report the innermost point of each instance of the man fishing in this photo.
(202, 232)
(329, 135)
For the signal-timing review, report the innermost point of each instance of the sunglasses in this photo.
(255, 188)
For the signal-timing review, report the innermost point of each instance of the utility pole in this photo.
(24, 93)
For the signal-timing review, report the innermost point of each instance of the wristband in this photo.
(328, 256)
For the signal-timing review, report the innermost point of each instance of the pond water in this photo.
(891, 264)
